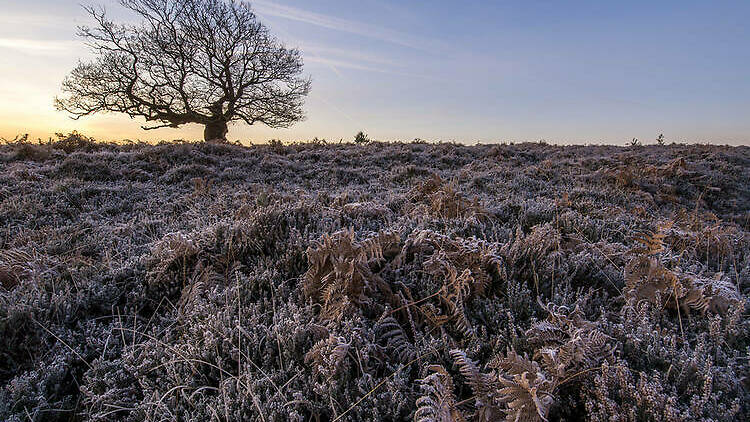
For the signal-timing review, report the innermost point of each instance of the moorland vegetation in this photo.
(373, 281)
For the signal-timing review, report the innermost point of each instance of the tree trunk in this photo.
(215, 130)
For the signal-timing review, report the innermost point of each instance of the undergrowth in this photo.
(427, 282)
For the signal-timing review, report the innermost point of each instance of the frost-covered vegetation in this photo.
(373, 282)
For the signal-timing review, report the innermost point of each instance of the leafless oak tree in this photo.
(189, 61)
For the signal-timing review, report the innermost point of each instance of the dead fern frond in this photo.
(341, 270)
(647, 279)
(568, 341)
(202, 186)
(365, 209)
(545, 332)
(328, 357)
(673, 168)
(427, 187)
(433, 315)
(467, 268)
(438, 402)
(563, 201)
(529, 251)
(653, 241)
(566, 318)
(391, 334)
(454, 294)
(705, 294)
(525, 389)
(584, 350)
(483, 386)
(446, 254)
(445, 201)
(374, 247)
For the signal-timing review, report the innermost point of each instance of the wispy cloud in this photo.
(344, 64)
(335, 64)
(271, 8)
(345, 58)
(355, 56)
(38, 47)
(29, 20)
(336, 58)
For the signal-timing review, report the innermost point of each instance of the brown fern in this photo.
(467, 268)
(201, 186)
(172, 252)
(545, 332)
(568, 342)
(517, 388)
(454, 294)
(647, 279)
(438, 402)
(433, 316)
(483, 386)
(443, 200)
(560, 323)
(653, 241)
(564, 201)
(327, 357)
(584, 350)
(341, 274)
(525, 390)
(447, 254)
(708, 294)
(529, 251)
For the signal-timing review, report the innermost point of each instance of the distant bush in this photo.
(361, 138)
(318, 142)
(74, 141)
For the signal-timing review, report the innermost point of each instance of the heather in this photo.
(373, 281)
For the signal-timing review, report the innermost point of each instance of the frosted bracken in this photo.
(429, 282)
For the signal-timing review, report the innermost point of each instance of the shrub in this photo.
(361, 138)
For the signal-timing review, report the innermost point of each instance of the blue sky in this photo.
(488, 71)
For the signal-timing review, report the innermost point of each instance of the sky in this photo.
(568, 72)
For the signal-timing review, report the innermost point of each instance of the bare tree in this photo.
(189, 61)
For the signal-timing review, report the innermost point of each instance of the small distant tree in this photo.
(209, 62)
(361, 138)
(634, 142)
(660, 139)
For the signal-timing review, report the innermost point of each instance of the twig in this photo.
(412, 303)
(568, 379)
(606, 256)
(63, 342)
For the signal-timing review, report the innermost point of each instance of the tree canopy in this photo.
(209, 62)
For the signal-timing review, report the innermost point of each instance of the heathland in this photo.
(404, 281)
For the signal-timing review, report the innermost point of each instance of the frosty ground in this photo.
(404, 281)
